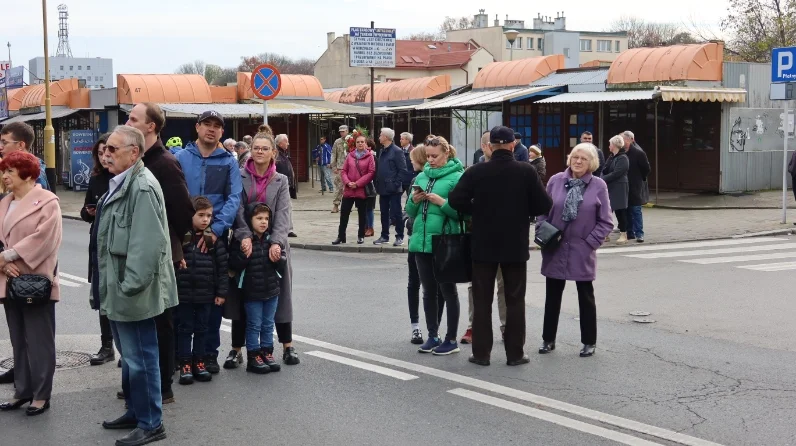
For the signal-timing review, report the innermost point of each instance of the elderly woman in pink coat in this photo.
(30, 232)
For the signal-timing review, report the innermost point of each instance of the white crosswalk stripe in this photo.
(746, 254)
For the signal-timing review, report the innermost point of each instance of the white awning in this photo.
(600, 96)
(56, 113)
(690, 94)
(483, 97)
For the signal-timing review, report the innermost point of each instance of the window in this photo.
(517, 43)
(604, 46)
(80, 68)
(616, 46)
(585, 45)
(522, 122)
(88, 67)
(530, 43)
(540, 44)
(102, 78)
(566, 53)
(62, 68)
(71, 67)
(549, 126)
(581, 119)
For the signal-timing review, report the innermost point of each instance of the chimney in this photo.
(329, 39)
(497, 21)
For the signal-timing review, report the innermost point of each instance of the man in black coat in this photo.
(150, 120)
(639, 193)
(520, 151)
(285, 166)
(503, 196)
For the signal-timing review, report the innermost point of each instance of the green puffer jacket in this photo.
(431, 221)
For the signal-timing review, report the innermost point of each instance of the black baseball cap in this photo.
(517, 135)
(211, 114)
(501, 135)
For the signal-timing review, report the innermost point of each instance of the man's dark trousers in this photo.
(514, 278)
(390, 207)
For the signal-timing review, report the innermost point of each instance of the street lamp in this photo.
(511, 36)
(49, 131)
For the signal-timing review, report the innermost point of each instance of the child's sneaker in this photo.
(430, 345)
(255, 364)
(446, 348)
(186, 373)
(200, 373)
(268, 359)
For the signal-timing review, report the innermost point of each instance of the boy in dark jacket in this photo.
(202, 282)
(259, 276)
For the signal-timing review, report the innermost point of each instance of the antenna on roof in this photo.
(63, 32)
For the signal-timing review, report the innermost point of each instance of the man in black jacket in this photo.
(639, 192)
(502, 196)
(285, 167)
(149, 119)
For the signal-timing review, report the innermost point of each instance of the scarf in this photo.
(359, 154)
(574, 188)
(261, 182)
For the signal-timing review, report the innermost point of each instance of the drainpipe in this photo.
(466, 75)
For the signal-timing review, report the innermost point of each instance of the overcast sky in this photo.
(155, 36)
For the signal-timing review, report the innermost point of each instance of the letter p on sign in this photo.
(784, 62)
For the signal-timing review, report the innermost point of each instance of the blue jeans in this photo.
(213, 338)
(260, 323)
(326, 178)
(192, 327)
(138, 344)
(637, 220)
(390, 206)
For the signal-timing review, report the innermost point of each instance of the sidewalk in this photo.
(675, 219)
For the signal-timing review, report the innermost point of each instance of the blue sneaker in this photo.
(446, 348)
(430, 345)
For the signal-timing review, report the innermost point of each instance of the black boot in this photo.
(186, 372)
(200, 373)
(268, 359)
(233, 359)
(255, 364)
(105, 354)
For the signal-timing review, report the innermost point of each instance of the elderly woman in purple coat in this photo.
(582, 211)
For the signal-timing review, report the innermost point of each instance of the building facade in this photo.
(96, 71)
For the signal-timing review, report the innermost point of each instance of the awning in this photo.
(56, 113)
(484, 97)
(276, 107)
(671, 94)
(600, 96)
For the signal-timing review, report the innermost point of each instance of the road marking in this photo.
(69, 284)
(708, 252)
(75, 278)
(364, 365)
(706, 244)
(561, 406)
(784, 266)
(746, 258)
(553, 418)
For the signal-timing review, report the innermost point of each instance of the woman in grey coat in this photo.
(261, 183)
(615, 175)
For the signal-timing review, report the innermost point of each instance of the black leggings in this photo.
(431, 306)
(413, 292)
(105, 330)
(622, 219)
(345, 213)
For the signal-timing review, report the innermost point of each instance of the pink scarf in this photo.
(261, 182)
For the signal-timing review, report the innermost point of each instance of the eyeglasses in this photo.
(112, 149)
(6, 143)
(260, 149)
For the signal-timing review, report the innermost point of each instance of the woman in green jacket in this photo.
(432, 215)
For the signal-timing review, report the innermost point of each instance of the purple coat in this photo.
(576, 257)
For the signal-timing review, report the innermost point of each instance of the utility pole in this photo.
(49, 131)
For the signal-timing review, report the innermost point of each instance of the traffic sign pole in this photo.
(786, 126)
(265, 112)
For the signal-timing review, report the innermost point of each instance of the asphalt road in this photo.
(717, 367)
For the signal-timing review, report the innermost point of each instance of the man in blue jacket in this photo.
(520, 151)
(213, 172)
(322, 154)
(389, 185)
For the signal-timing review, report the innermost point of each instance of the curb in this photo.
(371, 249)
(766, 233)
(709, 208)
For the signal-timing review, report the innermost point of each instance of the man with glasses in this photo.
(19, 136)
(134, 280)
(587, 137)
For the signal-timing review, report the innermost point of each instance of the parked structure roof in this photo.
(601, 96)
(162, 88)
(407, 89)
(700, 62)
(483, 97)
(518, 72)
(580, 77)
(293, 85)
(432, 54)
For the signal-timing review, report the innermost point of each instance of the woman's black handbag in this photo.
(29, 289)
(370, 188)
(547, 236)
(452, 256)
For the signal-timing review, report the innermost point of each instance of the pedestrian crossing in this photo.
(749, 254)
(70, 281)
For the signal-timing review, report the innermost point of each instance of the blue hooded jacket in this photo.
(216, 177)
(42, 175)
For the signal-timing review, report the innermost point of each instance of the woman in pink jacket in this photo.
(30, 230)
(358, 171)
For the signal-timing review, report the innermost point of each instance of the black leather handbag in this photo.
(547, 236)
(452, 256)
(29, 289)
(370, 188)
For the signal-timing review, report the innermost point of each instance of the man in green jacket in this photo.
(134, 280)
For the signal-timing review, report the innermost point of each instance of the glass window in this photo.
(62, 68)
(549, 126)
(616, 46)
(585, 44)
(530, 43)
(79, 67)
(71, 67)
(521, 121)
(540, 44)
(517, 43)
(581, 118)
(102, 77)
(88, 67)
(604, 46)
(566, 53)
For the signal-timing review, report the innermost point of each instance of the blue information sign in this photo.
(266, 81)
(783, 65)
(80, 144)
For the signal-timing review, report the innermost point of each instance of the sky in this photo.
(156, 36)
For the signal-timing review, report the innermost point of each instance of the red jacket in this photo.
(351, 173)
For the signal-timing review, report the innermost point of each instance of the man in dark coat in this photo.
(639, 188)
(502, 196)
(390, 174)
(285, 167)
(520, 151)
(589, 138)
(150, 120)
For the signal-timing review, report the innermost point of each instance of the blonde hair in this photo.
(418, 155)
(591, 150)
(617, 141)
(265, 128)
(446, 147)
(266, 136)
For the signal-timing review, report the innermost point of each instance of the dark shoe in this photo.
(474, 360)
(34, 411)
(268, 359)
(211, 364)
(233, 359)
(123, 422)
(119, 364)
(105, 354)
(120, 395)
(449, 347)
(200, 372)
(140, 437)
(167, 396)
(547, 347)
(586, 351)
(524, 360)
(292, 234)
(290, 357)
(640, 239)
(360, 240)
(7, 377)
(417, 337)
(255, 364)
(186, 373)
(467, 338)
(430, 345)
(381, 241)
(338, 241)
(5, 407)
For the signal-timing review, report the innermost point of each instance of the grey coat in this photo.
(615, 176)
(277, 197)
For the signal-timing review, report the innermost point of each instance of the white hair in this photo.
(617, 141)
(591, 150)
(132, 137)
(229, 141)
(628, 134)
(279, 138)
(388, 132)
(408, 136)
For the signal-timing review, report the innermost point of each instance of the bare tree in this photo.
(285, 64)
(197, 67)
(426, 36)
(758, 26)
(650, 34)
(216, 75)
(454, 23)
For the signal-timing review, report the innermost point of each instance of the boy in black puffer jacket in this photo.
(259, 277)
(201, 282)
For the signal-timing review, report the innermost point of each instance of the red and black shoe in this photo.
(255, 363)
(186, 373)
(200, 372)
(268, 359)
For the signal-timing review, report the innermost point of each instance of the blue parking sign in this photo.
(783, 65)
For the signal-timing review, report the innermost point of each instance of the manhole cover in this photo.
(63, 360)
(644, 320)
(639, 313)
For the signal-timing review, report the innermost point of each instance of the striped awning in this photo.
(691, 94)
